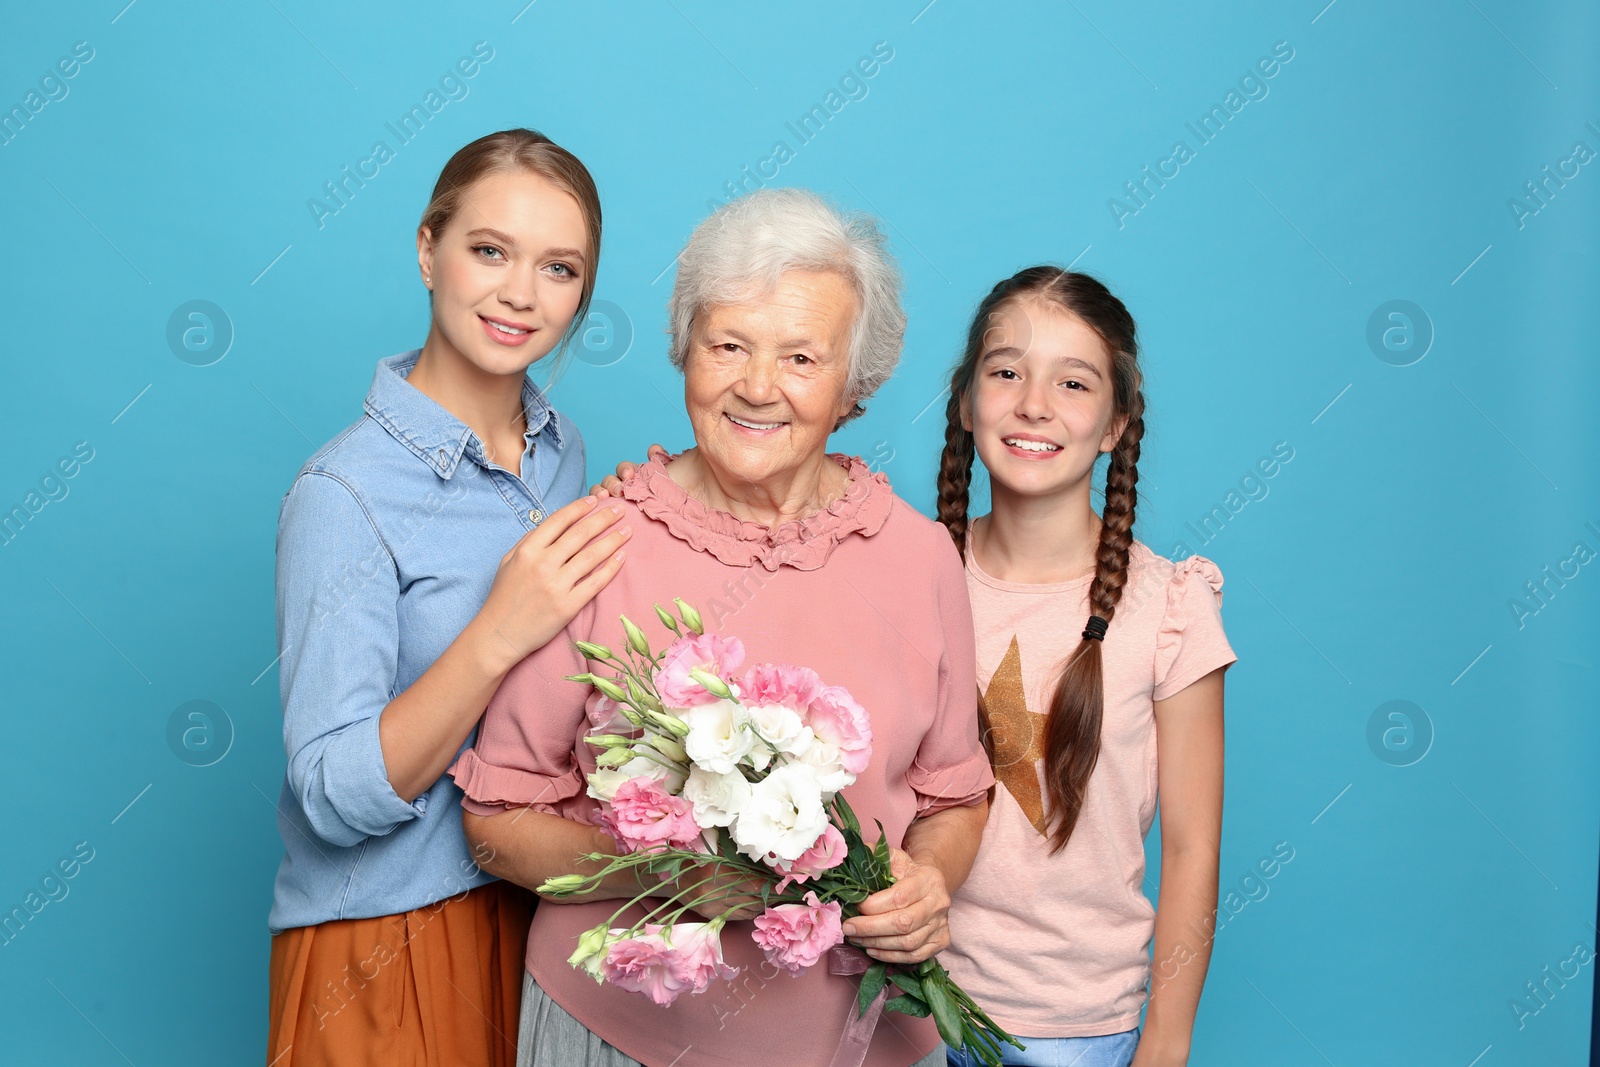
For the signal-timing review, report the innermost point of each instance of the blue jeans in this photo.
(1112, 1050)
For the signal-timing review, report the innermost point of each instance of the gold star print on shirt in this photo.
(1017, 735)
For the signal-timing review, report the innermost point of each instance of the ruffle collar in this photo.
(804, 544)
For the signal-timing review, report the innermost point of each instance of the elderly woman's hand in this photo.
(908, 922)
(611, 484)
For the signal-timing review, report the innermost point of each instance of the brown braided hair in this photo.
(1072, 728)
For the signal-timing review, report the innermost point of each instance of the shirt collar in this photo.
(437, 437)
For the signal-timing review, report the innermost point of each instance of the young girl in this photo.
(422, 553)
(1094, 653)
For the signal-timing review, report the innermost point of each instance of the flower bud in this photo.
(609, 741)
(713, 685)
(667, 721)
(636, 638)
(611, 689)
(641, 697)
(667, 620)
(613, 757)
(691, 617)
(591, 951)
(591, 650)
(563, 884)
(667, 746)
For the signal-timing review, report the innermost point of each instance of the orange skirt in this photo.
(434, 987)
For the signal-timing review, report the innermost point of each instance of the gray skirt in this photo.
(547, 1036)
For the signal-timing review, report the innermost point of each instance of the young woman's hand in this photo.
(549, 576)
(611, 484)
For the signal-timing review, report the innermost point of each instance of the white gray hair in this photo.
(747, 244)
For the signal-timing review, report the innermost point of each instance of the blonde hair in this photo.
(521, 150)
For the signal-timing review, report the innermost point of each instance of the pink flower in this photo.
(795, 936)
(774, 683)
(663, 964)
(826, 854)
(720, 656)
(643, 815)
(699, 951)
(645, 964)
(606, 716)
(836, 718)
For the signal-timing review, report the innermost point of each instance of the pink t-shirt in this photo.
(868, 593)
(1058, 946)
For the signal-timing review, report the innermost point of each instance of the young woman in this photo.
(422, 553)
(1094, 654)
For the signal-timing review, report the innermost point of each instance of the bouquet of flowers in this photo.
(727, 786)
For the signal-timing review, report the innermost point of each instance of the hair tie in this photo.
(1096, 630)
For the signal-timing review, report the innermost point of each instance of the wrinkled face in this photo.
(1041, 407)
(507, 270)
(764, 379)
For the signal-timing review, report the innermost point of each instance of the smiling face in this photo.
(764, 380)
(506, 272)
(1041, 407)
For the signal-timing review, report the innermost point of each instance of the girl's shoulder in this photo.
(1176, 580)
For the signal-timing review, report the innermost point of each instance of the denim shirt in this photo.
(388, 542)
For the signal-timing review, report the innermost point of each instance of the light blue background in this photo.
(1379, 567)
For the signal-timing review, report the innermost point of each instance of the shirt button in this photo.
(536, 516)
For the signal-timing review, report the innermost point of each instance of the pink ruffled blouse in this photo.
(867, 592)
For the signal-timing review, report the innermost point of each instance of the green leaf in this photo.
(944, 1013)
(871, 986)
(910, 984)
(847, 817)
(880, 857)
(907, 1006)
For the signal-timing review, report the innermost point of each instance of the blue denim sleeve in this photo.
(338, 636)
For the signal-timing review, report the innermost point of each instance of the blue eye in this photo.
(568, 271)
(484, 250)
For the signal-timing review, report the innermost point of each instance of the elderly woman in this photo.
(784, 318)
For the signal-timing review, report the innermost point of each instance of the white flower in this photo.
(719, 735)
(824, 758)
(784, 815)
(604, 781)
(717, 798)
(781, 728)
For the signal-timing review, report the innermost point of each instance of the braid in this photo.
(1116, 518)
(1077, 709)
(955, 474)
